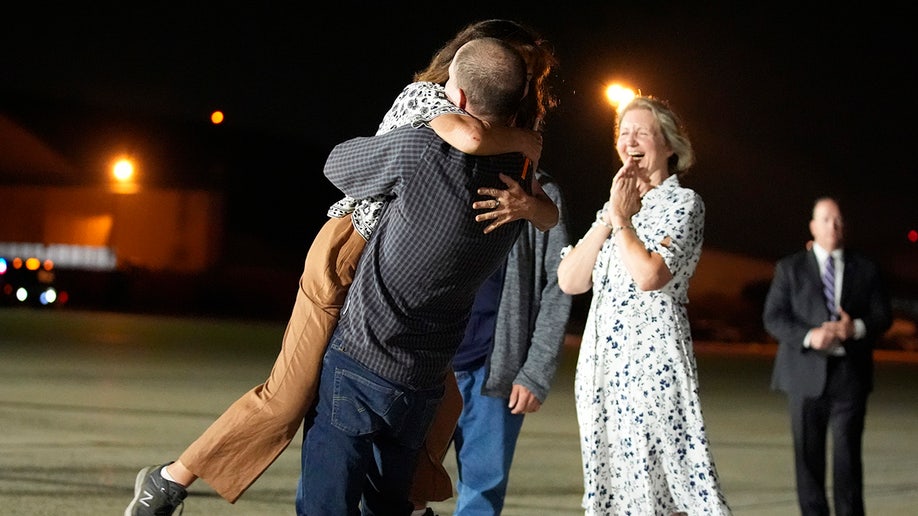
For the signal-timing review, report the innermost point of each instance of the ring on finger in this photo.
(496, 203)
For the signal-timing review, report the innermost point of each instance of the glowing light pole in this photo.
(123, 173)
(618, 95)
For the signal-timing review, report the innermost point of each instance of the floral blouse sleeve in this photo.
(674, 229)
(679, 231)
(418, 104)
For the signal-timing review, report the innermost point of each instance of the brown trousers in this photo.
(240, 445)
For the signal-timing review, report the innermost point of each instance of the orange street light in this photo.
(618, 95)
(123, 170)
(123, 173)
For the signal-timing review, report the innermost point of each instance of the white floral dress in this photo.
(642, 434)
(417, 104)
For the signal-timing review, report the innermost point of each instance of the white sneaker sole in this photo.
(138, 483)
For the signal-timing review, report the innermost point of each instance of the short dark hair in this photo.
(536, 49)
(492, 73)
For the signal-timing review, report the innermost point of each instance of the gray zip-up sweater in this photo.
(533, 311)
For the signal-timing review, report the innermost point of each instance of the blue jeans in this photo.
(491, 432)
(361, 444)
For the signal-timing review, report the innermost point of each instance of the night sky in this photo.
(781, 106)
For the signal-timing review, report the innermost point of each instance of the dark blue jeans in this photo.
(361, 444)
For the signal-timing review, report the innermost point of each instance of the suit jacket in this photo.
(795, 304)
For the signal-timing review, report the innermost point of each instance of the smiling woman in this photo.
(638, 259)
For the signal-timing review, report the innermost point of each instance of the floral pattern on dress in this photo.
(417, 105)
(643, 443)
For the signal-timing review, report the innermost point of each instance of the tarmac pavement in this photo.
(87, 399)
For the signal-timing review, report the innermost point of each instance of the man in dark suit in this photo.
(827, 307)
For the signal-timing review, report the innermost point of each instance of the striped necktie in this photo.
(828, 287)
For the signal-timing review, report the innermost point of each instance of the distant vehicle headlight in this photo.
(48, 297)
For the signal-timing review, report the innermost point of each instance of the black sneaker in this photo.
(154, 495)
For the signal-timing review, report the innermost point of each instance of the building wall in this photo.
(152, 229)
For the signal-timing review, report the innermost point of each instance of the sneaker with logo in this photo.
(154, 495)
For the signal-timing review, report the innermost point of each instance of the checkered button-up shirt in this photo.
(409, 304)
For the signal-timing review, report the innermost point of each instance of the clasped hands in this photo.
(624, 194)
(832, 333)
